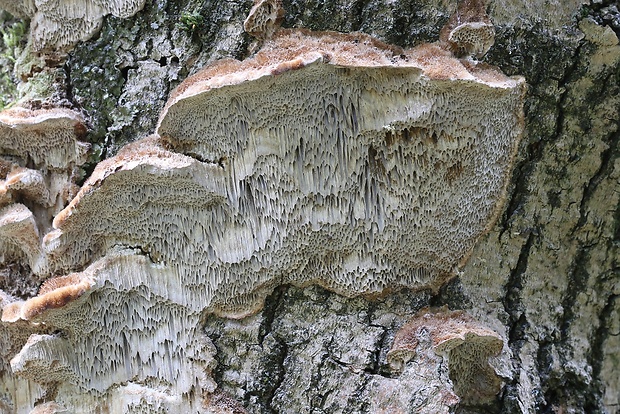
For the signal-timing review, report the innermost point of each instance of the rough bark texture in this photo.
(546, 278)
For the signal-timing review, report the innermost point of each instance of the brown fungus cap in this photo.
(141, 197)
(465, 343)
(469, 32)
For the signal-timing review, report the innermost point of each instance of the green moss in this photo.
(189, 22)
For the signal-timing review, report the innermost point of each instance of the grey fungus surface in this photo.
(322, 187)
(469, 32)
(40, 151)
(57, 25)
(48, 137)
(264, 18)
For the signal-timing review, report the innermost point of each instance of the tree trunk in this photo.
(545, 279)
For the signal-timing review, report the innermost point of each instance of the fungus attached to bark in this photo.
(57, 25)
(326, 158)
(264, 18)
(47, 137)
(463, 341)
(19, 236)
(469, 31)
(115, 329)
(39, 154)
(292, 174)
(350, 163)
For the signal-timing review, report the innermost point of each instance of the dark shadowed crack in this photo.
(381, 347)
(452, 295)
(537, 137)
(596, 356)
(608, 158)
(567, 388)
(517, 322)
(273, 375)
(272, 302)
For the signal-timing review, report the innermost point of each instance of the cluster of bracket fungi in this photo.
(324, 158)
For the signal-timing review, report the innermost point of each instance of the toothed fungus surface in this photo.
(347, 162)
(47, 136)
(48, 140)
(325, 159)
(463, 342)
(57, 25)
(20, 237)
(264, 18)
(469, 32)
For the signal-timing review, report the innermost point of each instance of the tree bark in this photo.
(546, 278)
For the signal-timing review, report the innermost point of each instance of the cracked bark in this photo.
(546, 277)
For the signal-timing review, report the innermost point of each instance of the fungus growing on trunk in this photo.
(326, 158)
(463, 342)
(19, 235)
(40, 151)
(304, 179)
(325, 187)
(57, 25)
(469, 32)
(47, 137)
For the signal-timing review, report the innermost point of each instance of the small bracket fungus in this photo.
(115, 330)
(463, 342)
(57, 25)
(48, 137)
(264, 18)
(19, 236)
(469, 31)
(28, 183)
(47, 140)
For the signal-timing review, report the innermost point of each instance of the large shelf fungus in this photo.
(348, 163)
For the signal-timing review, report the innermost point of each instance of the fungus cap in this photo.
(264, 18)
(469, 32)
(49, 137)
(380, 198)
(461, 339)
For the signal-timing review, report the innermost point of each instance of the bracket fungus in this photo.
(47, 137)
(469, 32)
(463, 342)
(264, 18)
(57, 25)
(325, 187)
(40, 151)
(292, 174)
(326, 158)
